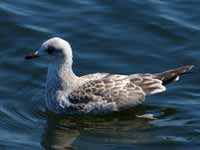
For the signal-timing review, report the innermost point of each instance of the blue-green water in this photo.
(107, 36)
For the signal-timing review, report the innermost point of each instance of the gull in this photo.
(98, 93)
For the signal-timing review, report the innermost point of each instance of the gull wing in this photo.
(124, 91)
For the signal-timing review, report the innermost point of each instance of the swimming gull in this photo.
(98, 93)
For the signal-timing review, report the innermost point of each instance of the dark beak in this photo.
(31, 56)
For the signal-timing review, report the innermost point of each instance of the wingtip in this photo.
(188, 69)
(191, 66)
(171, 75)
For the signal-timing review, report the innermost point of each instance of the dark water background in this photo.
(107, 36)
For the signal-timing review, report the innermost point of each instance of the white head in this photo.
(57, 50)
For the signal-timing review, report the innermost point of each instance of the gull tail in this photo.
(173, 75)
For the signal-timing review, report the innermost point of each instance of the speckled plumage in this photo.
(124, 91)
(96, 93)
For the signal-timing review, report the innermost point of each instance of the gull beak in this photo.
(32, 55)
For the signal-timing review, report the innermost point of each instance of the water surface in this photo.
(106, 36)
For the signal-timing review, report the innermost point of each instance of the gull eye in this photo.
(50, 50)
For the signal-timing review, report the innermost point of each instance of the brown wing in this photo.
(148, 82)
(110, 88)
(125, 91)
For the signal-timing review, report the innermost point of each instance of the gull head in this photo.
(57, 50)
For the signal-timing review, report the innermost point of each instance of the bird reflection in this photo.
(63, 132)
(58, 136)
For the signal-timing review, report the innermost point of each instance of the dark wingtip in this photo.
(171, 75)
(187, 69)
(190, 66)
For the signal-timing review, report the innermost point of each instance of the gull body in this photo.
(67, 93)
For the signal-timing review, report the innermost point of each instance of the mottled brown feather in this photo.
(123, 90)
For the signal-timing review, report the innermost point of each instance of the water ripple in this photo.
(106, 36)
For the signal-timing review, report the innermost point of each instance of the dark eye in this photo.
(50, 50)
